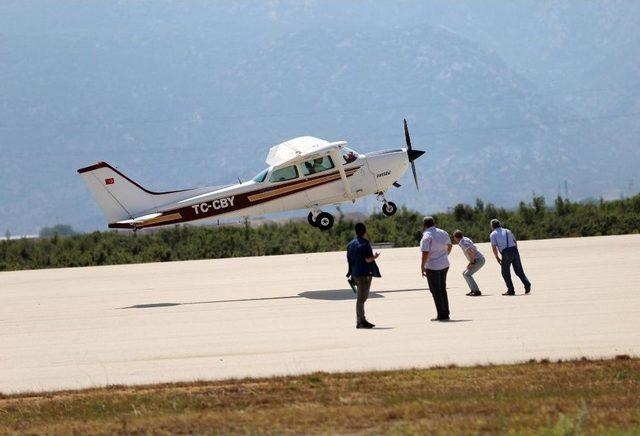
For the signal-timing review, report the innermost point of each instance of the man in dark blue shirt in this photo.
(362, 268)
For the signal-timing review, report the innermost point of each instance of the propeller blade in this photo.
(415, 176)
(411, 153)
(407, 138)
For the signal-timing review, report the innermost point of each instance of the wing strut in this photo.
(335, 155)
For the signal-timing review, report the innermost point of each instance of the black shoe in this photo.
(527, 290)
(474, 294)
(510, 293)
(440, 319)
(365, 325)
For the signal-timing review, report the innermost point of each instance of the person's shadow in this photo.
(347, 294)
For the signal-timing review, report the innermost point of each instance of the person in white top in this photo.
(434, 264)
(475, 258)
(504, 242)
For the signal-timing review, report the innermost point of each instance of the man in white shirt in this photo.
(475, 258)
(503, 242)
(434, 264)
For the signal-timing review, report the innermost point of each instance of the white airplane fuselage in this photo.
(128, 205)
(368, 174)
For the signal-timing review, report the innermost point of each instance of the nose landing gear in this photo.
(321, 220)
(388, 207)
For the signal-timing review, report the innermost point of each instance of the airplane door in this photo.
(363, 181)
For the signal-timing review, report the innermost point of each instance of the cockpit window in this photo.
(261, 176)
(317, 165)
(348, 155)
(284, 174)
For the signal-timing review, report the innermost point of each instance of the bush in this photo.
(63, 248)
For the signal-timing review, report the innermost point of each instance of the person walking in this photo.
(504, 242)
(475, 258)
(434, 264)
(362, 269)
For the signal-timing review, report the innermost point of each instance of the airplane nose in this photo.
(414, 154)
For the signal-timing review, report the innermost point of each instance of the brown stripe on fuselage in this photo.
(241, 201)
(163, 219)
(297, 186)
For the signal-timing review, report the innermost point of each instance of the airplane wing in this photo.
(297, 149)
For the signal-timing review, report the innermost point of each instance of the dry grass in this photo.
(538, 397)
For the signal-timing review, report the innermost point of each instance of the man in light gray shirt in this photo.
(434, 264)
(475, 258)
(503, 242)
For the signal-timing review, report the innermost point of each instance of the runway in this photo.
(214, 319)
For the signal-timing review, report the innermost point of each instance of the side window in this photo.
(317, 165)
(284, 174)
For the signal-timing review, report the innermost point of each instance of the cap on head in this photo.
(428, 221)
(495, 223)
(457, 234)
(361, 229)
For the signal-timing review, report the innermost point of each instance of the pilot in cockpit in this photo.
(349, 157)
(317, 165)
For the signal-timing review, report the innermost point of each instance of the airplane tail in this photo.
(119, 197)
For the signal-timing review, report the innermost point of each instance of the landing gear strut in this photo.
(322, 220)
(388, 207)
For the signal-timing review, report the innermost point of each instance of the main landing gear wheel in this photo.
(324, 221)
(389, 208)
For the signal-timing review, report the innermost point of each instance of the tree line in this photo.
(533, 220)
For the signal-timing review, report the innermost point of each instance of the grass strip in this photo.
(574, 397)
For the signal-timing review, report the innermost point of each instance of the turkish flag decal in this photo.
(109, 181)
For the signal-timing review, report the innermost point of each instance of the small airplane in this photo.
(303, 173)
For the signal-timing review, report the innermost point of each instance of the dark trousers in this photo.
(363, 284)
(511, 256)
(437, 279)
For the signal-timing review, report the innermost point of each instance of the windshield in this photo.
(261, 176)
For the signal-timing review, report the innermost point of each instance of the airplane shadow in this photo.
(322, 294)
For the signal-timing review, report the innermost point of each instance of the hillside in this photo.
(186, 94)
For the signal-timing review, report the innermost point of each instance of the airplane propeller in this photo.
(413, 154)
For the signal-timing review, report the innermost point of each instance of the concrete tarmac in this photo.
(214, 319)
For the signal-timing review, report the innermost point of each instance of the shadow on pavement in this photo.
(323, 294)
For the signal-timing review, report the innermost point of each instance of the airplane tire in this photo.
(324, 221)
(389, 208)
(311, 221)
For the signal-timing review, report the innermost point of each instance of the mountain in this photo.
(180, 94)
